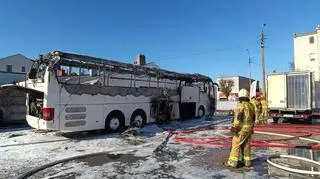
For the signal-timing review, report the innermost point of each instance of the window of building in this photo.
(311, 40)
(9, 68)
(23, 69)
(312, 56)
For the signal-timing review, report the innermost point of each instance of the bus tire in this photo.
(281, 120)
(308, 121)
(201, 112)
(275, 120)
(115, 121)
(140, 116)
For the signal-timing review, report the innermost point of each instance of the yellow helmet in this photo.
(243, 93)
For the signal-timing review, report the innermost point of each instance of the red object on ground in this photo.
(306, 131)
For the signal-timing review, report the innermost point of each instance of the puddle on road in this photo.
(99, 160)
(65, 170)
(212, 157)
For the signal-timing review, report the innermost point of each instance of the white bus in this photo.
(72, 92)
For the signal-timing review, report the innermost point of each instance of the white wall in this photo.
(6, 78)
(17, 61)
(303, 50)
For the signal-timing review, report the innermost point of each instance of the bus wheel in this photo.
(115, 122)
(138, 118)
(275, 120)
(308, 121)
(281, 120)
(201, 112)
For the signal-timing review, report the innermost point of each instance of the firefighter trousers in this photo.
(241, 143)
(264, 116)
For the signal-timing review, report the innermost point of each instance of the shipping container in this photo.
(293, 96)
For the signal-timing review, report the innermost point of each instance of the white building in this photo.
(14, 68)
(239, 82)
(307, 52)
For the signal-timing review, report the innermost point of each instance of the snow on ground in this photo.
(131, 157)
(26, 148)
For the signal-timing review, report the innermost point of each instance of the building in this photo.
(307, 52)
(14, 68)
(239, 82)
(12, 102)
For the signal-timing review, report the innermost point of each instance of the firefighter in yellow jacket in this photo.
(242, 129)
(257, 108)
(264, 110)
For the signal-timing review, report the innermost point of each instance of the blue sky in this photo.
(206, 36)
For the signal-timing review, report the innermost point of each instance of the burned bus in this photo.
(72, 92)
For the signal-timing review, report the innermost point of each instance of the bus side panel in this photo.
(78, 117)
(81, 112)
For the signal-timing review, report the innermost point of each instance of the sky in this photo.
(209, 37)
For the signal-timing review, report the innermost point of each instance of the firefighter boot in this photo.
(247, 163)
(230, 163)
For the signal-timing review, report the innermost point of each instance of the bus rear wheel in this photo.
(138, 118)
(115, 122)
(201, 112)
(281, 120)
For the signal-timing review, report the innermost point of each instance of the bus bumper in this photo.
(39, 123)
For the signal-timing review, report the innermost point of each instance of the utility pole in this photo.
(250, 62)
(262, 45)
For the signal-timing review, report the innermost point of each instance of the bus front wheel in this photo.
(115, 122)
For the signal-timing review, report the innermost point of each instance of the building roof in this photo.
(305, 34)
(16, 56)
(237, 76)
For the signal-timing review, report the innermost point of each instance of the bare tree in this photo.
(226, 86)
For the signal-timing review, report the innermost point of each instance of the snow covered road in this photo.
(132, 157)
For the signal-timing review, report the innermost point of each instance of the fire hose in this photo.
(226, 141)
(268, 130)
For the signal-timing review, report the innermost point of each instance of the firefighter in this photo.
(264, 110)
(242, 129)
(257, 108)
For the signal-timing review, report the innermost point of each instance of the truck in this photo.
(293, 97)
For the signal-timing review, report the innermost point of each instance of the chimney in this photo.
(140, 60)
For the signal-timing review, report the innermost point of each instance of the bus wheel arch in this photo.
(140, 116)
(201, 111)
(115, 121)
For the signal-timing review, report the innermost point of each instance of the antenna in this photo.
(250, 62)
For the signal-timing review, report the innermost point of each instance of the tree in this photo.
(226, 86)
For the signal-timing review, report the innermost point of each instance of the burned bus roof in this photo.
(84, 61)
